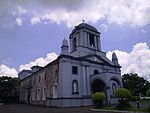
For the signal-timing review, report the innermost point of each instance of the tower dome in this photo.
(86, 26)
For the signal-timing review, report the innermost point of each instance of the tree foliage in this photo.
(148, 92)
(8, 86)
(136, 84)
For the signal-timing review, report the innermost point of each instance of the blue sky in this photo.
(31, 31)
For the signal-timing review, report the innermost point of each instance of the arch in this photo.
(98, 86)
(96, 71)
(116, 80)
(75, 87)
(55, 90)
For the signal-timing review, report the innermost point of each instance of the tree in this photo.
(148, 92)
(123, 94)
(136, 84)
(98, 98)
(8, 88)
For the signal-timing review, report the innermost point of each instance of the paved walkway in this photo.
(24, 108)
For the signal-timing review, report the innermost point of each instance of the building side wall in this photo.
(38, 86)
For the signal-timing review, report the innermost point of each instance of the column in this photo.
(84, 81)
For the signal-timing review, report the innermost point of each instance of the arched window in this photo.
(33, 95)
(113, 88)
(95, 72)
(55, 90)
(91, 39)
(44, 93)
(75, 87)
(74, 43)
(38, 94)
(39, 78)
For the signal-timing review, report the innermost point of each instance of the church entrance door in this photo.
(98, 86)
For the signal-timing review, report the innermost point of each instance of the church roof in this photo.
(86, 26)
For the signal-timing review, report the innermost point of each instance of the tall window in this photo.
(44, 93)
(74, 43)
(55, 90)
(91, 39)
(56, 72)
(75, 87)
(39, 78)
(45, 76)
(74, 70)
(38, 94)
(33, 95)
(34, 80)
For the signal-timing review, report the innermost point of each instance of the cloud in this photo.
(35, 20)
(121, 12)
(39, 61)
(19, 21)
(104, 27)
(143, 31)
(6, 71)
(137, 61)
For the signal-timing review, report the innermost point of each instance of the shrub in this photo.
(135, 98)
(98, 98)
(123, 94)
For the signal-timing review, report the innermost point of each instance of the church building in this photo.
(79, 71)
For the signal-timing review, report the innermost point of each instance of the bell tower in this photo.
(84, 40)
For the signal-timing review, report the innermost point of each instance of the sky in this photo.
(31, 31)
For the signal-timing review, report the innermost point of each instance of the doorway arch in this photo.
(98, 86)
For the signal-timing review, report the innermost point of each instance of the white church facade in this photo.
(80, 70)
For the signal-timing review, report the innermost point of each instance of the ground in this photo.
(24, 108)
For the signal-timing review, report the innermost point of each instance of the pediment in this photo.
(98, 59)
(95, 59)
